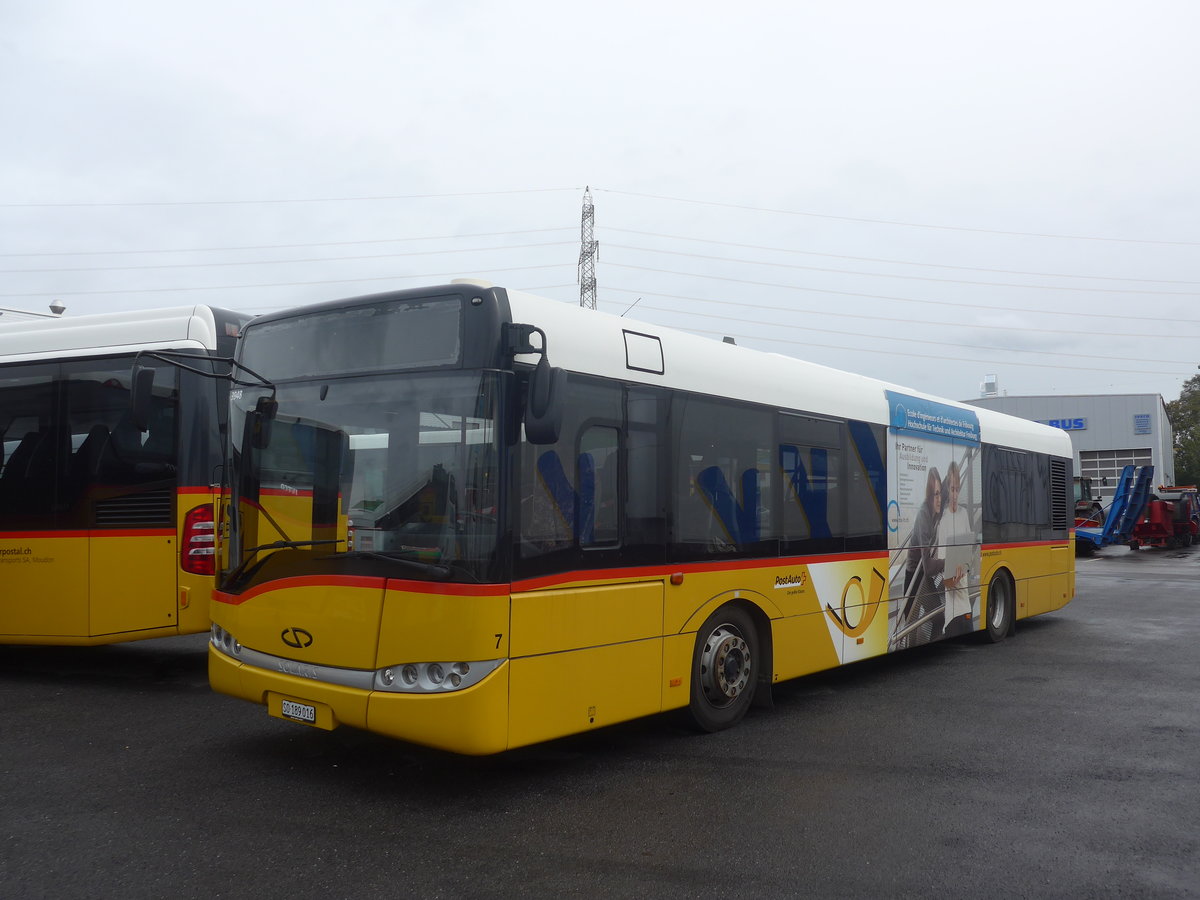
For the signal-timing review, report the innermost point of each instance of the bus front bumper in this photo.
(473, 721)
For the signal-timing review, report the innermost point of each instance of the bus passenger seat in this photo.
(30, 473)
(120, 452)
(85, 464)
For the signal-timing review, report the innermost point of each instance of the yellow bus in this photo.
(106, 531)
(434, 534)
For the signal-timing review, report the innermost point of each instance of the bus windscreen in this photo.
(374, 338)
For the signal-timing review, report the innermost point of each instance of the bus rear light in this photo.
(198, 546)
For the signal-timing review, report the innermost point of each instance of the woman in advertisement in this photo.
(955, 530)
(922, 579)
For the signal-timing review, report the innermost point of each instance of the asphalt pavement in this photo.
(1059, 763)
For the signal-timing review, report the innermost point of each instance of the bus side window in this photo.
(811, 465)
(724, 496)
(565, 501)
(599, 446)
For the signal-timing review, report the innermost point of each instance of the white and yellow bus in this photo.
(106, 531)
(435, 534)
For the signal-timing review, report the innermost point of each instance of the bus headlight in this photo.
(224, 641)
(433, 677)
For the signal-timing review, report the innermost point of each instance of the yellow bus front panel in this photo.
(315, 621)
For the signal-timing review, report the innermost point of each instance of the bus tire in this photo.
(724, 669)
(1001, 602)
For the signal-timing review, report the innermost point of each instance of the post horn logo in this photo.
(868, 604)
(297, 637)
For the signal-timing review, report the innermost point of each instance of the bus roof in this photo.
(598, 343)
(594, 342)
(180, 327)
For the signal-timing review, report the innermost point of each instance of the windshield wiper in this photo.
(283, 545)
(243, 569)
(438, 572)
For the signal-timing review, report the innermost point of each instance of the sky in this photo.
(925, 192)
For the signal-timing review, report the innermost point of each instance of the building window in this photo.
(1104, 466)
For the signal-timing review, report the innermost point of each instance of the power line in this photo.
(878, 337)
(231, 287)
(985, 306)
(778, 265)
(276, 262)
(446, 237)
(793, 212)
(278, 201)
(676, 237)
(740, 304)
(898, 262)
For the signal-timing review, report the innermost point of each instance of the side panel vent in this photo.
(1060, 504)
(152, 509)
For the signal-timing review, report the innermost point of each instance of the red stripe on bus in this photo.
(359, 581)
(453, 590)
(529, 584)
(1016, 544)
(195, 489)
(364, 581)
(115, 532)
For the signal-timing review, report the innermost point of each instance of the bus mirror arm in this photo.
(141, 392)
(176, 358)
(517, 339)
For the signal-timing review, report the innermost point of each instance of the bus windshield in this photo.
(393, 475)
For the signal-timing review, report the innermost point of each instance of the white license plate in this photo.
(300, 711)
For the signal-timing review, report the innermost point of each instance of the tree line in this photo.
(1184, 414)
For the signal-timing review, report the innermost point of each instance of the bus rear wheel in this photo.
(1000, 607)
(724, 669)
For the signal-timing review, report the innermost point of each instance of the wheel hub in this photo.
(725, 665)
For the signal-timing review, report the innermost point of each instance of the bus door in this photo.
(582, 654)
(43, 554)
(121, 489)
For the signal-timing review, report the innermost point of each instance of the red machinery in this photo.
(1172, 519)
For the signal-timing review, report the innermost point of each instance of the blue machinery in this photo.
(1128, 505)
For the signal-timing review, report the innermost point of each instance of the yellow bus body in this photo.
(580, 651)
(101, 586)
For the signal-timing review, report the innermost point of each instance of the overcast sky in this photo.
(923, 192)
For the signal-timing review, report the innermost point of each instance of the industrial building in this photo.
(1108, 431)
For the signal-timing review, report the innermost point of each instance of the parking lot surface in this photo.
(1059, 763)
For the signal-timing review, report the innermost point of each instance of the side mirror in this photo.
(544, 404)
(141, 396)
(261, 419)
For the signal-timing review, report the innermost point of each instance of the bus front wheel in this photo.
(1000, 607)
(724, 669)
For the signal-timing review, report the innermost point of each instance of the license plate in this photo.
(301, 712)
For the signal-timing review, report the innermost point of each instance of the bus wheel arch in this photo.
(1001, 617)
(728, 663)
